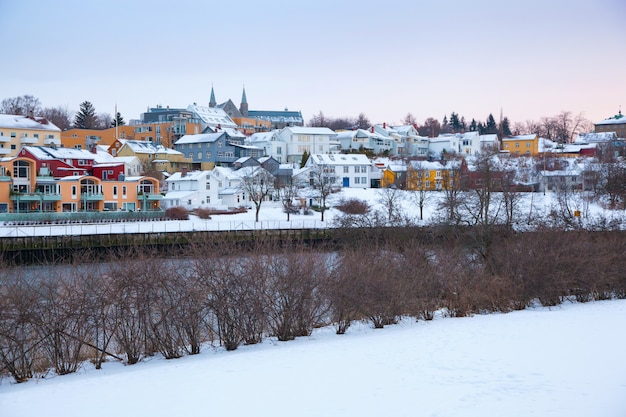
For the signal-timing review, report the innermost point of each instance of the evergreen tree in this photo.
(118, 121)
(455, 122)
(86, 117)
(473, 127)
(305, 157)
(491, 127)
(505, 128)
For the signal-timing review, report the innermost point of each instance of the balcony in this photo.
(5, 139)
(92, 196)
(5, 151)
(25, 196)
(151, 197)
(29, 141)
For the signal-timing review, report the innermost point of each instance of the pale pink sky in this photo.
(529, 58)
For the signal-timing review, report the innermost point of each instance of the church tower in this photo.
(243, 108)
(212, 102)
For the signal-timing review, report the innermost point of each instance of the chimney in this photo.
(183, 172)
(372, 129)
(415, 126)
(31, 115)
(384, 125)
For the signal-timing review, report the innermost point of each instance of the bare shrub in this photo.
(203, 213)
(177, 213)
(353, 206)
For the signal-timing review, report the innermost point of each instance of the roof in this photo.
(142, 146)
(189, 176)
(47, 153)
(520, 137)
(25, 122)
(199, 138)
(277, 116)
(339, 159)
(617, 119)
(299, 130)
(212, 116)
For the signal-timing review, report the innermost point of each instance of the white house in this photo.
(271, 143)
(313, 140)
(350, 170)
(196, 189)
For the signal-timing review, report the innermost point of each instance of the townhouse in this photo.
(313, 140)
(17, 131)
(346, 170)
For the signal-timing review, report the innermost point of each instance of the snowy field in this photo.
(565, 361)
(271, 216)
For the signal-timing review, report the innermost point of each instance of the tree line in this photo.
(62, 117)
(561, 128)
(139, 304)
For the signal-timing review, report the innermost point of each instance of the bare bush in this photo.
(177, 213)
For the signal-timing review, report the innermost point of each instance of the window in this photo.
(279, 151)
(345, 169)
(208, 154)
(427, 184)
(13, 134)
(199, 155)
(13, 146)
(208, 185)
(357, 180)
(528, 144)
(363, 180)
(115, 191)
(73, 191)
(124, 190)
(517, 145)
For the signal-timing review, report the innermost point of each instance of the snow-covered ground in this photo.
(560, 361)
(271, 216)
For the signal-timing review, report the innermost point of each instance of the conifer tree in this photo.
(118, 121)
(305, 157)
(86, 117)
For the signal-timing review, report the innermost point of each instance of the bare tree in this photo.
(390, 198)
(257, 185)
(61, 117)
(23, 105)
(322, 179)
(451, 187)
(430, 128)
(417, 174)
(287, 191)
(409, 119)
(568, 126)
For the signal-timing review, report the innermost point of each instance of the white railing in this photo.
(166, 226)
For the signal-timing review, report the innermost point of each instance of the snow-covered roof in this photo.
(143, 147)
(199, 138)
(520, 137)
(263, 136)
(435, 165)
(617, 119)
(596, 137)
(212, 116)
(189, 176)
(10, 121)
(46, 153)
(298, 130)
(339, 159)
(179, 195)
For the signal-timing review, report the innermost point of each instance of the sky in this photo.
(526, 59)
(563, 361)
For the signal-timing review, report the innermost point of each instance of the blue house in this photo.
(207, 150)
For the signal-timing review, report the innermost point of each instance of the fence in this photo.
(144, 226)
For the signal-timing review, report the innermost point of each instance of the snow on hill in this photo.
(559, 361)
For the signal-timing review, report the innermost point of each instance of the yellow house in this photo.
(394, 175)
(433, 175)
(521, 145)
(16, 131)
(151, 155)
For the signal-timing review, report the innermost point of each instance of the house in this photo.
(60, 162)
(350, 170)
(615, 124)
(25, 188)
(433, 175)
(271, 144)
(151, 155)
(196, 189)
(521, 144)
(313, 140)
(17, 131)
(394, 175)
(206, 150)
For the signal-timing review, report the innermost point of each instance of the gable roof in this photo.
(9, 121)
(339, 159)
(200, 138)
(212, 116)
(300, 130)
(44, 153)
(147, 147)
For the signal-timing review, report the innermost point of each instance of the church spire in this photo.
(243, 108)
(212, 102)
